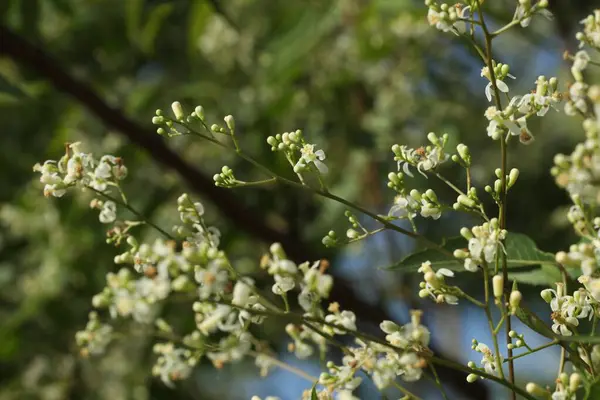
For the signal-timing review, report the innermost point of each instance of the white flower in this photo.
(283, 284)
(439, 20)
(108, 213)
(309, 155)
(404, 207)
(500, 84)
(488, 362)
(410, 364)
(213, 279)
(345, 319)
(241, 292)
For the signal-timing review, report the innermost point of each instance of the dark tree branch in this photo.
(251, 221)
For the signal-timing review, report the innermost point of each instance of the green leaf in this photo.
(155, 21)
(546, 275)
(534, 322)
(521, 251)
(9, 91)
(133, 18)
(199, 14)
(438, 260)
(313, 393)
(594, 391)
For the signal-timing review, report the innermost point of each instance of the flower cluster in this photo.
(567, 310)
(95, 338)
(77, 168)
(425, 158)
(483, 244)
(591, 30)
(408, 205)
(489, 362)
(302, 156)
(381, 362)
(566, 387)
(434, 284)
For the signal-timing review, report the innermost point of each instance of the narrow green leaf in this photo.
(133, 18)
(155, 21)
(520, 249)
(9, 90)
(534, 322)
(412, 262)
(199, 13)
(313, 393)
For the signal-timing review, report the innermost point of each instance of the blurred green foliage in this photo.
(357, 76)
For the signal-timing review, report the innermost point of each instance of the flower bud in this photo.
(433, 138)
(546, 295)
(519, 343)
(512, 177)
(431, 196)
(199, 110)
(536, 390)
(498, 286)
(230, 122)
(423, 293)
(430, 278)
(177, 111)
(464, 153)
(460, 253)
(466, 233)
(471, 378)
(389, 327)
(514, 300)
(352, 234)
(465, 201)
(574, 382)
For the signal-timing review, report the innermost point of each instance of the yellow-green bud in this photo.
(177, 111)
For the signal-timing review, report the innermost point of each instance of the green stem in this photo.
(406, 391)
(438, 382)
(133, 211)
(285, 366)
(534, 350)
(327, 194)
(503, 167)
(486, 284)
(501, 381)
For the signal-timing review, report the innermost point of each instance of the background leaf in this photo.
(521, 252)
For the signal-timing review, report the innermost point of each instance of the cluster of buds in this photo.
(519, 341)
(577, 172)
(525, 10)
(591, 31)
(489, 361)
(407, 206)
(566, 387)
(566, 309)
(443, 16)
(511, 179)
(302, 156)
(545, 96)
(96, 336)
(463, 156)
(79, 168)
(425, 158)
(176, 126)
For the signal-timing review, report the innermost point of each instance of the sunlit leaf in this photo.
(521, 251)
